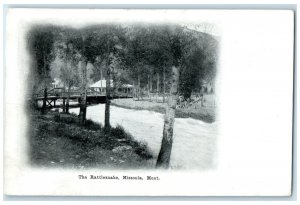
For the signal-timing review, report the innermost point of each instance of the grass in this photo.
(72, 119)
(206, 114)
(56, 140)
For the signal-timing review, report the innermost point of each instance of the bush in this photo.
(118, 132)
(91, 125)
(143, 151)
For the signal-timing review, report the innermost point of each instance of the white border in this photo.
(174, 2)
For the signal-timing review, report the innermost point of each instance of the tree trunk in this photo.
(202, 101)
(82, 112)
(113, 77)
(164, 84)
(64, 101)
(157, 86)
(139, 86)
(101, 77)
(68, 99)
(157, 83)
(107, 104)
(64, 105)
(44, 101)
(45, 85)
(164, 156)
(134, 90)
(148, 87)
(151, 84)
(33, 100)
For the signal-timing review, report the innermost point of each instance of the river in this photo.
(194, 144)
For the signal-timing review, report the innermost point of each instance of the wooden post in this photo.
(68, 99)
(64, 105)
(44, 101)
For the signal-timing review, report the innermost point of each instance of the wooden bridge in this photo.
(93, 95)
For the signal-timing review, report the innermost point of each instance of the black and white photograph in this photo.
(133, 102)
(115, 96)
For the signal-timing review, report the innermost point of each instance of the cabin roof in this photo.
(102, 84)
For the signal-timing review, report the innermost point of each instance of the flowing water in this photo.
(194, 143)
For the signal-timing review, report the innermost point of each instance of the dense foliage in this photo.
(138, 54)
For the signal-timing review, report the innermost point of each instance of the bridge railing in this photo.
(62, 93)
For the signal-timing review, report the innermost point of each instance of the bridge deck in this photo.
(55, 97)
(59, 93)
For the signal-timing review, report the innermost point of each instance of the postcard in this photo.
(148, 102)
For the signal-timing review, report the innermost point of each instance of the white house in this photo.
(100, 86)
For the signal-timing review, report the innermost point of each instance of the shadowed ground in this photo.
(57, 140)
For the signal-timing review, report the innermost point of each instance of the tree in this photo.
(69, 73)
(109, 43)
(83, 63)
(40, 44)
(136, 54)
(167, 49)
(68, 66)
(176, 44)
(82, 43)
(199, 64)
(159, 57)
